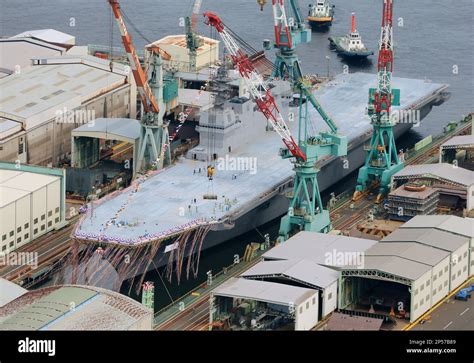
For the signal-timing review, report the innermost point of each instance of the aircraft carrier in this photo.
(251, 179)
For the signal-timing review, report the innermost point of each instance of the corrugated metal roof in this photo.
(79, 86)
(463, 140)
(340, 321)
(16, 184)
(410, 251)
(120, 128)
(394, 265)
(264, 291)
(49, 35)
(316, 247)
(72, 307)
(453, 224)
(29, 181)
(306, 271)
(10, 291)
(448, 172)
(47, 309)
(431, 237)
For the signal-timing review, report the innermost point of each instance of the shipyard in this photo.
(168, 167)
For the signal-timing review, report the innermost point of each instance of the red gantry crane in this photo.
(254, 82)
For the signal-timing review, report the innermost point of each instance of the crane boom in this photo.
(254, 82)
(144, 90)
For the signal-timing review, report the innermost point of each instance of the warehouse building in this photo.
(459, 149)
(242, 304)
(176, 46)
(32, 203)
(306, 261)
(301, 273)
(455, 184)
(59, 94)
(74, 307)
(16, 54)
(409, 271)
(455, 225)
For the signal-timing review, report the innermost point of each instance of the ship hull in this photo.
(335, 43)
(276, 203)
(317, 23)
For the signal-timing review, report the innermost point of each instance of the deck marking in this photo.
(447, 325)
(465, 311)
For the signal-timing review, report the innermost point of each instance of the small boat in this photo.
(351, 45)
(320, 14)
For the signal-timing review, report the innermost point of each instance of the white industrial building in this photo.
(305, 261)
(455, 225)
(42, 104)
(16, 54)
(411, 269)
(32, 202)
(299, 303)
(405, 274)
(305, 273)
(175, 45)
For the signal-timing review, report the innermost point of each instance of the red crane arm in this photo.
(144, 90)
(259, 92)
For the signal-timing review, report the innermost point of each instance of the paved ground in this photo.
(451, 315)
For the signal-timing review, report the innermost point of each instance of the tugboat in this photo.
(321, 14)
(351, 45)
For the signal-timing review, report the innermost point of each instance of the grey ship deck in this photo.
(157, 208)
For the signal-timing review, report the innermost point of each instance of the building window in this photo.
(35, 231)
(36, 221)
(435, 277)
(18, 230)
(330, 296)
(440, 273)
(43, 217)
(50, 223)
(439, 288)
(26, 235)
(27, 225)
(465, 254)
(4, 248)
(314, 300)
(50, 213)
(459, 273)
(415, 293)
(421, 301)
(56, 210)
(4, 237)
(422, 287)
(12, 243)
(307, 305)
(415, 307)
(12, 233)
(464, 268)
(56, 220)
(301, 310)
(428, 283)
(446, 269)
(18, 240)
(43, 227)
(446, 283)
